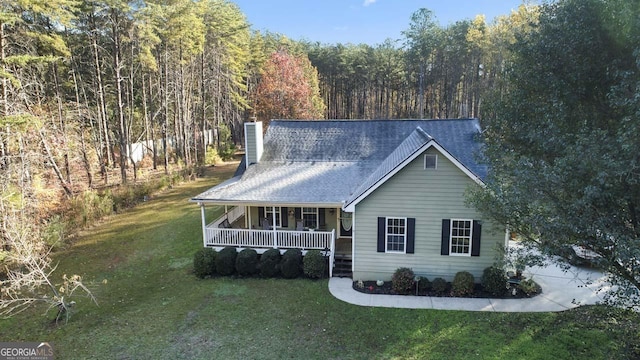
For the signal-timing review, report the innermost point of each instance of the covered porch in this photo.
(265, 227)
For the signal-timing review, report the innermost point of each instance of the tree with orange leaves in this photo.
(288, 89)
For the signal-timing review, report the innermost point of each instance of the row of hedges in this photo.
(290, 265)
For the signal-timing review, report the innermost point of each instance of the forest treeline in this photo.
(81, 82)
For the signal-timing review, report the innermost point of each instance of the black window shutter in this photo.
(444, 246)
(411, 235)
(321, 219)
(298, 213)
(475, 238)
(284, 217)
(260, 215)
(381, 234)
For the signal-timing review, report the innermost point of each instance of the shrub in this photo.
(439, 285)
(462, 284)
(494, 281)
(423, 284)
(528, 286)
(269, 264)
(54, 232)
(247, 262)
(212, 156)
(291, 263)
(314, 265)
(226, 261)
(204, 262)
(402, 280)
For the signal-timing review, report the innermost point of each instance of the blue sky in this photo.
(359, 21)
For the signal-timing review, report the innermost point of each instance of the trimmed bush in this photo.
(269, 264)
(314, 265)
(291, 263)
(423, 284)
(226, 261)
(439, 285)
(463, 284)
(247, 262)
(402, 280)
(204, 262)
(494, 281)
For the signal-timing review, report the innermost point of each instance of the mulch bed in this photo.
(370, 287)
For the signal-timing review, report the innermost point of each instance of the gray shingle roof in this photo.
(329, 162)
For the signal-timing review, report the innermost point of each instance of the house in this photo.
(375, 194)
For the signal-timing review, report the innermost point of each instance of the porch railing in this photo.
(250, 238)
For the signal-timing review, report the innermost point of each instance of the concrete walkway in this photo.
(560, 291)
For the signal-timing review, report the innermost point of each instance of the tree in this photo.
(421, 38)
(288, 89)
(563, 140)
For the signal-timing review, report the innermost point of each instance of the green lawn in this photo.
(138, 265)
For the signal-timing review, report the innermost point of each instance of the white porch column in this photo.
(204, 225)
(332, 254)
(275, 231)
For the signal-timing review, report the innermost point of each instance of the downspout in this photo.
(204, 224)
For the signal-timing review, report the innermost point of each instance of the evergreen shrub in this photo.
(439, 285)
(494, 281)
(247, 262)
(402, 281)
(314, 264)
(226, 261)
(291, 263)
(463, 284)
(204, 262)
(269, 264)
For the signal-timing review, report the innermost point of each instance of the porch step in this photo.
(342, 266)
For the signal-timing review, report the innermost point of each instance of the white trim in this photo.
(353, 242)
(451, 253)
(266, 203)
(203, 217)
(435, 167)
(386, 235)
(350, 207)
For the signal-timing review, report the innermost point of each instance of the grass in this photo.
(150, 306)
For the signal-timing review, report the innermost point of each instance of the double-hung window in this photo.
(269, 214)
(460, 237)
(396, 234)
(310, 217)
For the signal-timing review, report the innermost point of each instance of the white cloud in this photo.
(368, 2)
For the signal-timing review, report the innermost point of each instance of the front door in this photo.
(346, 224)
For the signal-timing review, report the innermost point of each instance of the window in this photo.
(268, 213)
(431, 161)
(460, 237)
(310, 217)
(396, 234)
